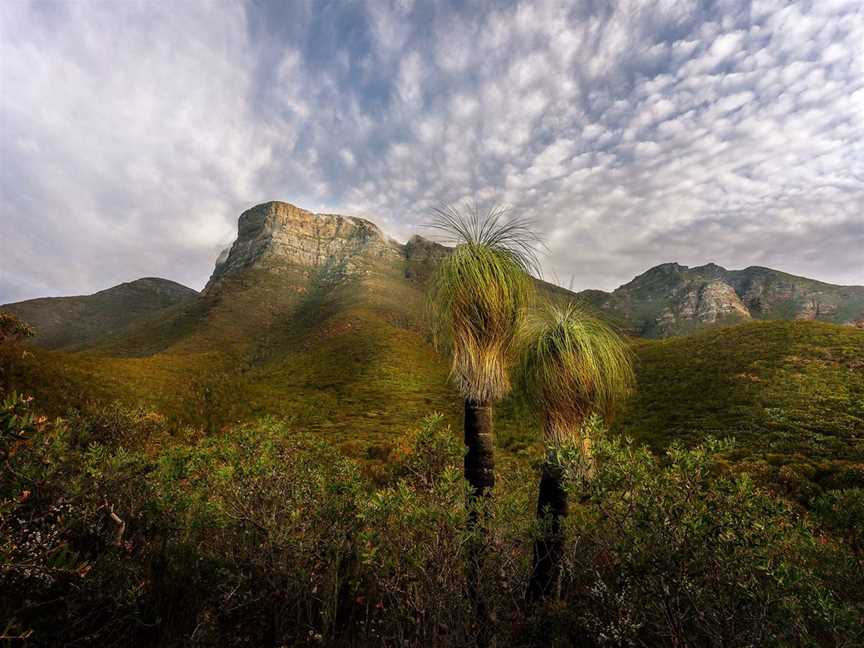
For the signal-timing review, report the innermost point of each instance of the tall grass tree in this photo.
(478, 298)
(574, 367)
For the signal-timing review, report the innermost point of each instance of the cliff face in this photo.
(277, 235)
(671, 299)
(707, 303)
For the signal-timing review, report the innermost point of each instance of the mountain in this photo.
(318, 319)
(672, 299)
(311, 317)
(77, 322)
(285, 260)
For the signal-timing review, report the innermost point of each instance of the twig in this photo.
(116, 519)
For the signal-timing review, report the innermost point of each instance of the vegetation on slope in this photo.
(351, 369)
(345, 354)
(78, 322)
(790, 393)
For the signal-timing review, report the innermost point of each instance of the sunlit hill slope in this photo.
(319, 319)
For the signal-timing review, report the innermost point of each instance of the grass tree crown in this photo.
(574, 365)
(479, 295)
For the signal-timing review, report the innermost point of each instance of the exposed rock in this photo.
(718, 300)
(422, 255)
(705, 303)
(277, 234)
(221, 259)
(815, 307)
(671, 299)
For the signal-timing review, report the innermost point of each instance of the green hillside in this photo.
(340, 348)
(78, 322)
(790, 393)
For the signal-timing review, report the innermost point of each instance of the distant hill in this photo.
(671, 299)
(78, 322)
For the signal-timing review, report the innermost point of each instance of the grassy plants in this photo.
(574, 367)
(477, 298)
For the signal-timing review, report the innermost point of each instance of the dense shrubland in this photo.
(115, 528)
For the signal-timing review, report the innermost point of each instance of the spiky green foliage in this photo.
(479, 294)
(574, 365)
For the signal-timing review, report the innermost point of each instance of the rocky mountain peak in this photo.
(710, 270)
(670, 299)
(422, 256)
(277, 234)
(663, 269)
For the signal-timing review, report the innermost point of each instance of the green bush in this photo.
(673, 552)
(263, 535)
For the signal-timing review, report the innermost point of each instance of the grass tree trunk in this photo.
(480, 474)
(479, 460)
(552, 508)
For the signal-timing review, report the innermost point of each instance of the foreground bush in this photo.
(114, 533)
(668, 552)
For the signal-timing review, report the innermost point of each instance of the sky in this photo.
(133, 134)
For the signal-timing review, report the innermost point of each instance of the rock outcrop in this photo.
(707, 303)
(671, 299)
(422, 256)
(276, 235)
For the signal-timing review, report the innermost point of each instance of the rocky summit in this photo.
(276, 235)
(673, 299)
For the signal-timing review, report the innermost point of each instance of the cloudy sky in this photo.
(132, 134)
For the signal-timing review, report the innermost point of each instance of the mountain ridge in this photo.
(295, 253)
(76, 321)
(673, 299)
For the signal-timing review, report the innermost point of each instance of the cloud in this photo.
(133, 136)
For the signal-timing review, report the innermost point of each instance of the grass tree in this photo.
(574, 367)
(478, 297)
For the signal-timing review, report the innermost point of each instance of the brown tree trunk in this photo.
(479, 460)
(552, 508)
(480, 474)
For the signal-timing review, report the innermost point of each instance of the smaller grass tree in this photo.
(574, 367)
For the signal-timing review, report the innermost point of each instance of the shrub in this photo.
(263, 535)
(672, 553)
(12, 329)
(424, 455)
